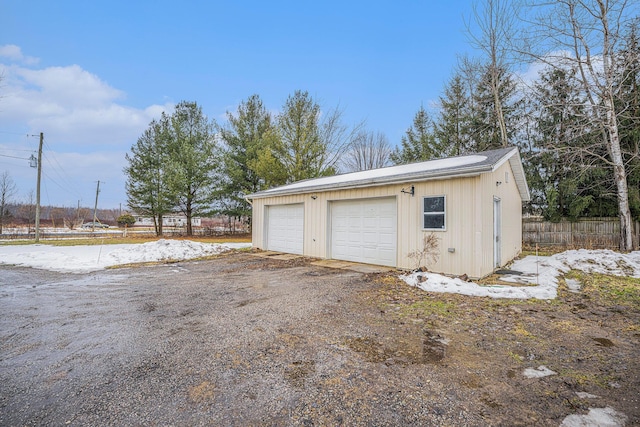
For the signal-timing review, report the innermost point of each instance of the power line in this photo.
(14, 157)
(60, 172)
(15, 133)
(55, 182)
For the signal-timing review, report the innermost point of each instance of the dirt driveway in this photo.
(241, 340)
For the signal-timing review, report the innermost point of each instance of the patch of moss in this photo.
(584, 379)
(521, 331)
(516, 357)
(611, 290)
(428, 307)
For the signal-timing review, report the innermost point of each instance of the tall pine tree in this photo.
(303, 146)
(194, 163)
(147, 184)
(419, 143)
(453, 122)
(249, 132)
(485, 125)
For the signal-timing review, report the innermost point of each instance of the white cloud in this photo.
(14, 53)
(87, 126)
(71, 105)
(559, 58)
(70, 86)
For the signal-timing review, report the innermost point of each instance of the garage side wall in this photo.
(458, 252)
(511, 216)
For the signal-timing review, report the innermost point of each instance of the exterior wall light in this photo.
(411, 191)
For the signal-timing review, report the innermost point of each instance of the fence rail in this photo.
(596, 233)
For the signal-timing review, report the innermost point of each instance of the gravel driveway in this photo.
(233, 341)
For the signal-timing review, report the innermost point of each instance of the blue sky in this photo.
(92, 75)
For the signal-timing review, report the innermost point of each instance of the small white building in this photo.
(173, 220)
(472, 203)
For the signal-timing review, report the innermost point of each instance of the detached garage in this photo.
(472, 203)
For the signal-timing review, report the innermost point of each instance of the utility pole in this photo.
(38, 188)
(95, 208)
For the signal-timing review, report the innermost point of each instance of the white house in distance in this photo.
(172, 220)
(472, 203)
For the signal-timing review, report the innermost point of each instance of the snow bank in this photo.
(82, 259)
(539, 275)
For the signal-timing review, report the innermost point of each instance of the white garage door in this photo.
(364, 231)
(285, 224)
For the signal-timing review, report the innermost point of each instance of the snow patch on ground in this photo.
(601, 417)
(82, 259)
(539, 274)
(585, 395)
(539, 372)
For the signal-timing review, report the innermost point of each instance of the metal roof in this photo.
(450, 167)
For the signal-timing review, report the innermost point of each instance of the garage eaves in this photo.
(450, 167)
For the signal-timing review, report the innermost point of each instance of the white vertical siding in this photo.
(460, 211)
(511, 203)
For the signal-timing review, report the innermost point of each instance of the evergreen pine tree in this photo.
(419, 144)
(248, 133)
(194, 163)
(147, 184)
(452, 126)
(485, 127)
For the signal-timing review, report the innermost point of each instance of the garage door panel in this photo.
(387, 223)
(341, 222)
(371, 239)
(387, 240)
(364, 231)
(354, 222)
(285, 228)
(370, 222)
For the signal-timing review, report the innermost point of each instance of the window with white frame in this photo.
(433, 213)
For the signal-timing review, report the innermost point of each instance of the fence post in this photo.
(571, 233)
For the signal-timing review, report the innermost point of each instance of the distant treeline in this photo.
(71, 217)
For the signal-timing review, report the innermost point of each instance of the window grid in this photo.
(434, 213)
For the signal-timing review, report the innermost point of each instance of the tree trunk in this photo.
(189, 212)
(620, 177)
(158, 225)
(604, 99)
(498, 106)
(619, 171)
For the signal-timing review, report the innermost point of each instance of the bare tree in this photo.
(56, 213)
(586, 35)
(336, 136)
(495, 23)
(27, 210)
(369, 150)
(7, 191)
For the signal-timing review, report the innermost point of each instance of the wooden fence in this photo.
(588, 233)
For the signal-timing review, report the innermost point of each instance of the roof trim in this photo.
(519, 175)
(492, 160)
